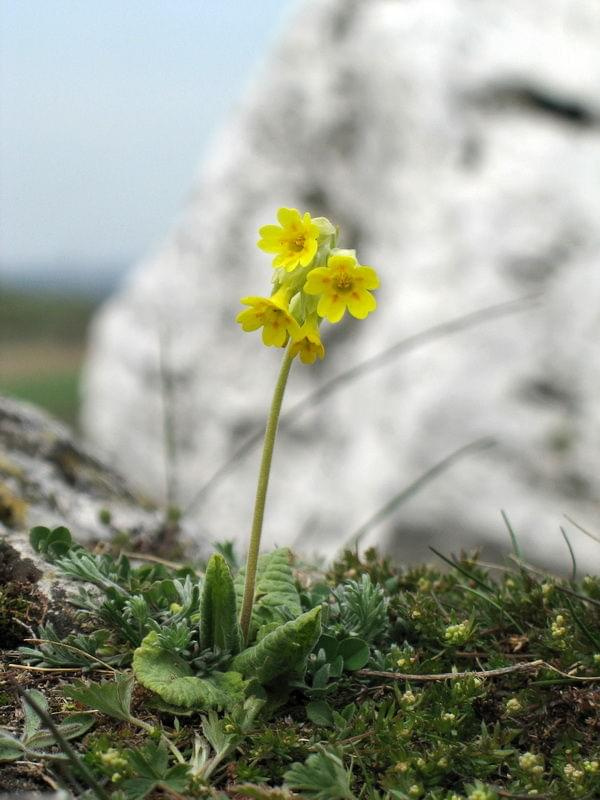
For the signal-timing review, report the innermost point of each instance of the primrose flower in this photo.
(294, 240)
(343, 284)
(270, 313)
(306, 342)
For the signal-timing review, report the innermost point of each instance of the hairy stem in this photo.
(261, 494)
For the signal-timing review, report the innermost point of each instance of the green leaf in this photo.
(219, 627)
(319, 712)
(321, 677)
(336, 667)
(11, 749)
(138, 788)
(282, 652)
(275, 585)
(321, 777)
(38, 536)
(255, 792)
(32, 721)
(214, 732)
(109, 697)
(151, 761)
(171, 678)
(70, 728)
(355, 653)
(177, 777)
(162, 593)
(51, 543)
(329, 645)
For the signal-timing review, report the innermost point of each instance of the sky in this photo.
(106, 109)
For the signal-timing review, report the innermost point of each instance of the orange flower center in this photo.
(298, 243)
(343, 282)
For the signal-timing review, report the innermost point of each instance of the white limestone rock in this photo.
(47, 478)
(457, 144)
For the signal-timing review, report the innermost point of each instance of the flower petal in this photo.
(269, 245)
(249, 320)
(332, 307)
(368, 277)
(307, 255)
(287, 216)
(360, 303)
(340, 261)
(318, 281)
(270, 232)
(274, 336)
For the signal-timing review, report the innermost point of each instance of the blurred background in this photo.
(105, 112)
(457, 145)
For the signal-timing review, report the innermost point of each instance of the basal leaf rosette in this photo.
(172, 679)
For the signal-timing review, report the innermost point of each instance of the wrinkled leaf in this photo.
(171, 678)
(282, 652)
(219, 626)
(110, 697)
(275, 586)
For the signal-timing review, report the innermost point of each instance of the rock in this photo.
(48, 478)
(457, 144)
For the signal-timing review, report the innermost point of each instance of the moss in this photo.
(13, 510)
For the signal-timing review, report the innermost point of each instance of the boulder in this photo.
(457, 144)
(48, 478)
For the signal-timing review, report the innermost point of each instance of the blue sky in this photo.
(106, 108)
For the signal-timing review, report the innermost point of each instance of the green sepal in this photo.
(283, 651)
(172, 679)
(219, 627)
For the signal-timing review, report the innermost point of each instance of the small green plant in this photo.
(35, 741)
(369, 681)
(314, 280)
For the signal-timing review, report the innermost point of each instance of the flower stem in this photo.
(261, 494)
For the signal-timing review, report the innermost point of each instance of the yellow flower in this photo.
(307, 342)
(270, 313)
(342, 284)
(294, 239)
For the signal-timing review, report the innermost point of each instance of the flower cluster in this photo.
(313, 280)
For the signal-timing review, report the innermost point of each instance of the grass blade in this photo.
(410, 490)
(573, 560)
(511, 533)
(462, 570)
(410, 343)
